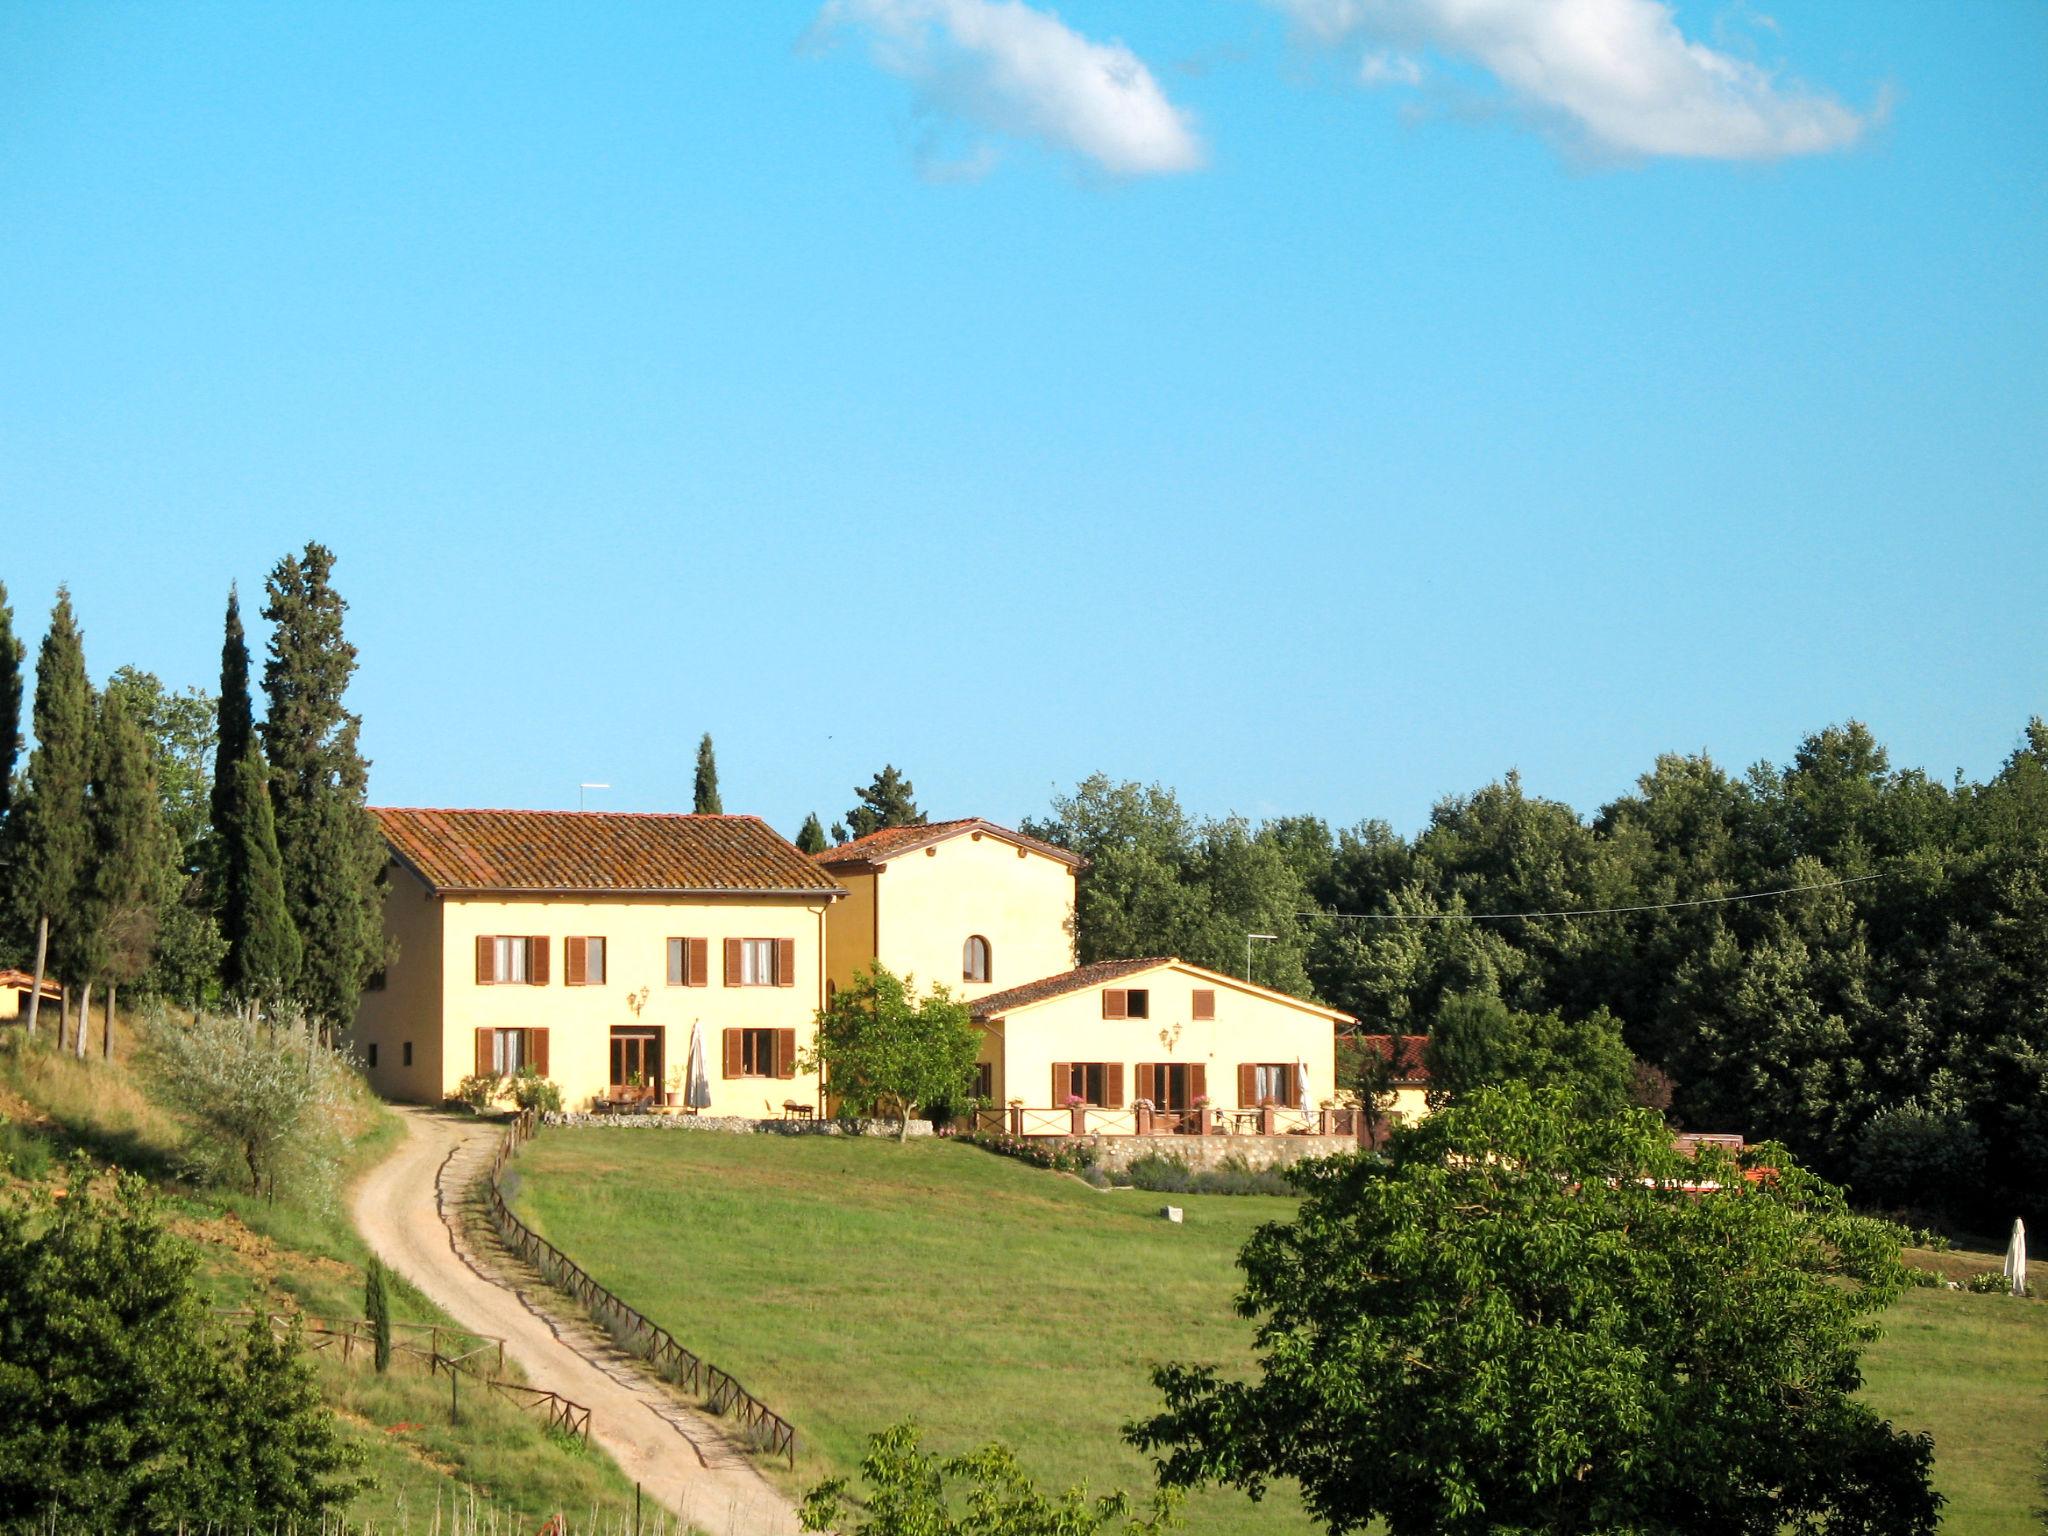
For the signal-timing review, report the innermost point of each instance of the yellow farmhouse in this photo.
(990, 912)
(591, 946)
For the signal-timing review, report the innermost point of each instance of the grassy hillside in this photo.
(498, 1462)
(852, 1283)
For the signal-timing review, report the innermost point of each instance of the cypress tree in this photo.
(11, 653)
(706, 802)
(329, 849)
(811, 836)
(49, 833)
(235, 729)
(120, 893)
(264, 951)
(377, 1308)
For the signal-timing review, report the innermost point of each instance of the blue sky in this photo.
(1310, 404)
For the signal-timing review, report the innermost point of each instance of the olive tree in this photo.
(1522, 1318)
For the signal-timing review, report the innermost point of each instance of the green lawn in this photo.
(850, 1283)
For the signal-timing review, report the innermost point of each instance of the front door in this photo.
(636, 1063)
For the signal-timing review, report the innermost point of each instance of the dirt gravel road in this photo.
(409, 1211)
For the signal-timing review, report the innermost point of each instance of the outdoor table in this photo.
(792, 1110)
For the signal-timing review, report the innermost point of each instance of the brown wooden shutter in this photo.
(1113, 1085)
(732, 962)
(575, 956)
(1247, 1085)
(1204, 1004)
(733, 1059)
(1148, 1081)
(537, 1044)
(1198, 1081)
(1062, 1081)
(483, 1051)
(486, 960)
(699, 965)
(1115, 1002)
(785, 962)
(785, 1053)
(537, 961)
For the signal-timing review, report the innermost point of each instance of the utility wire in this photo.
(1659, 906)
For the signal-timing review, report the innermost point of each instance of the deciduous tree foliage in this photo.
(123, 1407)
(706, 802)
(886, 1052)
(1477, 1041)
(1515, 1321)
(906, 1494)
(332, 855)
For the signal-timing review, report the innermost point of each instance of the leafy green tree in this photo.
(810, 837)
(123, 893)
(263, 955)
(121, 1407)
(179, 728)
(377, 1310)
(1517, 1319)
(906, 1494)
(11, 654)
(48, 836)
(332, 855)
(706, 801)
(886, 802)
(1477, 1041)
(885, 1051)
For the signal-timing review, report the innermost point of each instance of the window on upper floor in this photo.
(974, 959)
(1203, 1005)
(689, 962)
(511, 961)
(760, 962)
(1126, 1003)
(583, 962)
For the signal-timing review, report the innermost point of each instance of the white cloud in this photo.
(1617, 73)
(1008, 68)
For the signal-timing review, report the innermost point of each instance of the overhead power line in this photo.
(1655, 906)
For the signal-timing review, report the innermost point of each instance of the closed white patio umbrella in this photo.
(697, 1091)
(2016, 1258)
(1301, 1083)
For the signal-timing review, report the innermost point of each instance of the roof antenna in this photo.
(580, 788)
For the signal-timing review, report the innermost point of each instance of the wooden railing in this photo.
(351, 1337)
(719, 1391)
(1022, 1120)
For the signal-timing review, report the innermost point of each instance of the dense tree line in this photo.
(1892, 1031)
(175, 844)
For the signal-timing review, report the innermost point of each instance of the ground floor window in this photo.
(760, 1053)
(985, 1081)
(1267, 1082)
(1096, 1083)
(373, 1053)
(1173, 1085)
(503, 1052)
(405, 1054)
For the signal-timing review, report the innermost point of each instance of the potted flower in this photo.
(1201, 1114)
(674, 1095)
(1141, 1116)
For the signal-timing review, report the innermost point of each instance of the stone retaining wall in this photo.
(737, 1125)
(1115, 1153)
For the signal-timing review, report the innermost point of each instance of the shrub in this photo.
(479, 1090)
(1059, 1158)
(540, 1094)
(22, 1151)
(1926, 1279)
(1990, 1283)
(1161, 1172)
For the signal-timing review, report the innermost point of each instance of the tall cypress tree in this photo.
(119, 893)
(331, 853)
(11, 653)
(811, 836)
(235, 719)
(48, 816)
(264, 953)
(707, 802)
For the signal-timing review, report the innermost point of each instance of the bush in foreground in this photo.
(122, 1408)
(1518, 1320)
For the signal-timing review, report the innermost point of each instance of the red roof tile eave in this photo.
(893, 842)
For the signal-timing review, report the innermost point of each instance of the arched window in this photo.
(974, 964)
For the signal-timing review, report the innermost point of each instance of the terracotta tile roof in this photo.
(589, 851)
(1411, 1068)
(893, 842)
(1057, 986)
(25, 981)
